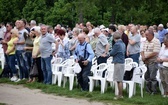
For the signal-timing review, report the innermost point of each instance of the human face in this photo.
(81, 40)
(43, 30)
(149, 36)
(166, 43)
(8, 27)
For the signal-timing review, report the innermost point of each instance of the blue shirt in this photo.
(118, 52)
(162, 34)
(80, 49)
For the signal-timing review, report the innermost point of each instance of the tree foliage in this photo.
(69, 12)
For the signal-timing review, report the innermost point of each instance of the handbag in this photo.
(77, 68)
(34, 70)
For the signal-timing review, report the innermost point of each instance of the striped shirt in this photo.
(150, 47)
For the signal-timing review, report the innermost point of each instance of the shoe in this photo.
(118, 97)
(30, 80)
(164, 96)
(18, 80)
(14, 78)
(153, 93)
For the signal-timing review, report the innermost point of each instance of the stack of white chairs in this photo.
(109, 75)
(68, 72)
(97, 75)
(2, 57)
(159, 81)
(56, 70)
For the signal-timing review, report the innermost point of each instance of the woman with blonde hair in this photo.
(11, 53)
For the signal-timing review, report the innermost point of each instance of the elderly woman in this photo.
(36, 54)
(74, 40)
(163, 68)
(11, 53)
(118, 53)
(63, 45)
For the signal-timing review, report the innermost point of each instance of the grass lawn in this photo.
(107, 97)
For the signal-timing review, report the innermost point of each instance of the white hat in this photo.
(106, 29)
(102, 27)
(160, 25)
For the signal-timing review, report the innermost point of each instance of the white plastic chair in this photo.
(160, 84)
(98, 72)
(57, 71)
(109, 75)
(109, 60)
(137, 78)
(2, 60)
(128, 60)
(68, 72)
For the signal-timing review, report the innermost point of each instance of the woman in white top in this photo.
(163, 65)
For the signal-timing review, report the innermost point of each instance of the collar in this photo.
(82, 44)
(44, 35)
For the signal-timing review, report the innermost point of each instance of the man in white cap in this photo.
(161, 31)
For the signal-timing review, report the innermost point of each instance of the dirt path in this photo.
(19, 95)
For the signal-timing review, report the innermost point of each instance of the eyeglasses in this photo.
(11, 33)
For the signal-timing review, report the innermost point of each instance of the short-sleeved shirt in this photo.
(36, 45)
(21, 38)
(45, 45)
(11, 45)
(101, 45)
(135, 48)
(150, 47)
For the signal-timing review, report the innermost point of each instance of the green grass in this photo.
(107, 97)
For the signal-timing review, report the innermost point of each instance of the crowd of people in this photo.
(28, 44)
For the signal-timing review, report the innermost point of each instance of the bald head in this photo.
(134, 30)
(81, 38)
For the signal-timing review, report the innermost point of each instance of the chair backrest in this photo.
(128, 60)
(94, 61)
(99, 70)
(128, 67)
(56, 60)
(134, 64)
(109, 72)
(137, 75)
(109, 60)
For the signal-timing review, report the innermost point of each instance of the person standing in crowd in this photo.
(27, 55)
(46, 54)
(36, 54)
(124, 37)
(118, 53)
(32, 24)
(2, 30)
(102, 47)
(112, 29)
(149, 55)
(74, 40)
(20, 25)
(161, 32)
(63, 45)
(163, 68)
(83, 55)
(85, 31)
(133, 48)
(7, 72)
(10, 52)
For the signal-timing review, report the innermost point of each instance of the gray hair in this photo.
(33, 22)
(76, 30)
(117, 35)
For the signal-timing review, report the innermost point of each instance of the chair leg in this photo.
(71, 81)
(131, 89)
(65, 80)
(59, 79)
(54, 79)
(91, 85)
(102, 85)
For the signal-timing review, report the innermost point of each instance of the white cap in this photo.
(160, 25)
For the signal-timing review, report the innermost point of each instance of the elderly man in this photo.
(102, 47)
(161, 32)
(149, 55)
(46, 54)
(83, 55)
